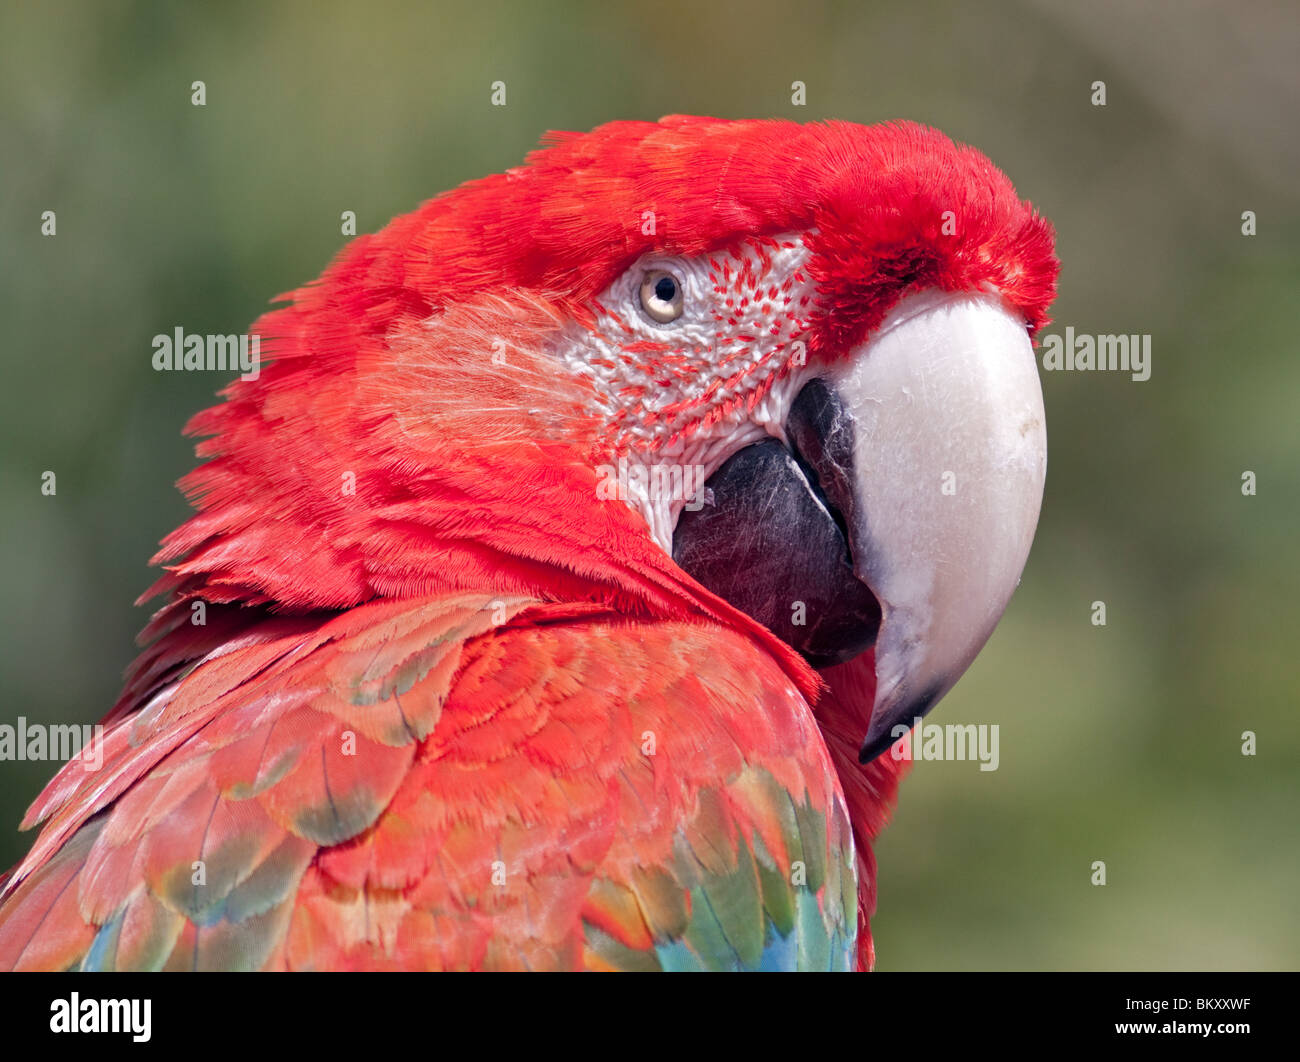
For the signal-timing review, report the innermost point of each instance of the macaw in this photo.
(557, 586)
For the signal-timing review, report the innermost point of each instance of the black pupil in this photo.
(665, 289)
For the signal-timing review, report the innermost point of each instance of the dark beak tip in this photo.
(909, 713)
(873, 748)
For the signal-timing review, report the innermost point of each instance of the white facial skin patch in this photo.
(681, 396)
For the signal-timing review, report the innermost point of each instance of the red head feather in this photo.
(474, 475)
(412, 434)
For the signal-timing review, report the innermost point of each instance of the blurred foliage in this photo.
(1119, 743)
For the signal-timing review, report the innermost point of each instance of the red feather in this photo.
(453, 664)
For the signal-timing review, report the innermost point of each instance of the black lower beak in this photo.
(774, 542)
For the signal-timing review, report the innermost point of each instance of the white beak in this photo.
(949, 455)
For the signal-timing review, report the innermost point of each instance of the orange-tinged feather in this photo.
(534, 812)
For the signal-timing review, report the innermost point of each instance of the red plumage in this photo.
(331, 613)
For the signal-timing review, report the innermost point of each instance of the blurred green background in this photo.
(1119, 743)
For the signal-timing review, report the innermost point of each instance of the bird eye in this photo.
(661, 296)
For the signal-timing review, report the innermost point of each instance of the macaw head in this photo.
(759, 373)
